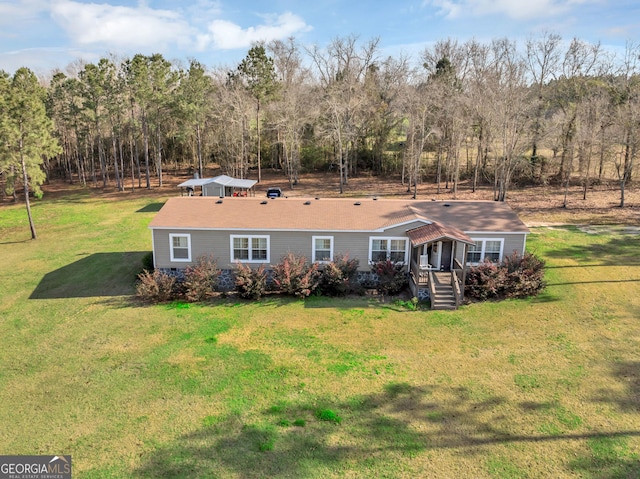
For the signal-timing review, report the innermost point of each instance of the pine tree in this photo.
(25, 132)
(259, 75)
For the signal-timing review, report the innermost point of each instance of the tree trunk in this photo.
(258, 133)
(25, 181)
(90, 153)
(159, 156)
(145, 134)
(199, 141)
(114, 146)
(476, 170)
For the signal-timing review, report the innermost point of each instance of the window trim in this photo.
(405, 240)
(483, 250)
(171, 247)
(250, 247)
(313, 249)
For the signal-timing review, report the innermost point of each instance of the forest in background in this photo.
(500, 114)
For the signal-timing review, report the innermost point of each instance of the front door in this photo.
(445, 259)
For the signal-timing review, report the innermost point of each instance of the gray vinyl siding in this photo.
(218, 244)
(301, 243)
(512, 242)
(356, 245)
(203, 243)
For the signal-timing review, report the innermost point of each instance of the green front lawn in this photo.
(546, 387)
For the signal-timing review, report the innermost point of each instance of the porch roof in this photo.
(436, 232)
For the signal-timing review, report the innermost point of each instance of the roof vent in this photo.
(357, 203)
(307, 202)
(264, 202)
(219, 202)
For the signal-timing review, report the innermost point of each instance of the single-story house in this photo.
(434, 240)
(219, 186)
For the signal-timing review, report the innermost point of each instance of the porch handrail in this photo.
(432, 287)
(456, 288)
(415, 272)
(461, 271)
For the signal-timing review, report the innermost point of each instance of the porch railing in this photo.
(432, 287)
(457, 293)
(458, 278)
(420, 275)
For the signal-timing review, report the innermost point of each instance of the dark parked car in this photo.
(274, 193)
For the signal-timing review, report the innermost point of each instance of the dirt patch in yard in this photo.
(535, 205)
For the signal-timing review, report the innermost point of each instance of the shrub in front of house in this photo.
(392, 278)
(250, 283)
(486, 280)
(147, 261)
(525, 275)
(515, 277)
(294, 276)
(200, 279)
(157, 286)
(338, 277)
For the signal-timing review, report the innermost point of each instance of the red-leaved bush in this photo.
(338, 277)
(392, 278)
(251, 283)
(294, 276)
(515, 277)
(200, 279)
(157, 286)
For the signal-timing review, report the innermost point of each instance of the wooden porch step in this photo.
(444, 297)
(443, 306)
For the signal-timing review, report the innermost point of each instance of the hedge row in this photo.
(292, 276)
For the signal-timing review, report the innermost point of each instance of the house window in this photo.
(482, 249)
(322, 248)
(180, 249)
(474, 252)
(393, 249)
(250, 249)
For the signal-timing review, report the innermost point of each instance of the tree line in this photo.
(498, 113)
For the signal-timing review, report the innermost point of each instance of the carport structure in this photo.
(221, 186)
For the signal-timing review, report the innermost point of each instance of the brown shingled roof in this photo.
(332, 214)
(435, 232)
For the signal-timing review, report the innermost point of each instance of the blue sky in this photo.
(48, 34)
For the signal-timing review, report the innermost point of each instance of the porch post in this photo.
(464, 267)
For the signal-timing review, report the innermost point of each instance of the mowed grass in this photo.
(544, 387)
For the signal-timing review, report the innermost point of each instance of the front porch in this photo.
(436, 270)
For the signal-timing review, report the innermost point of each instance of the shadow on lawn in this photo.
(151, 208)
(604, 281)
(628, 374)
(97, 274)
(290, 440)
(618, 251)
(611, 456)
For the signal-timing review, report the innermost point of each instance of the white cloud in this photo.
(203, 9)
(14, 12)
(225, 35)
(517, 10)
(42, 60)
(120, 27)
